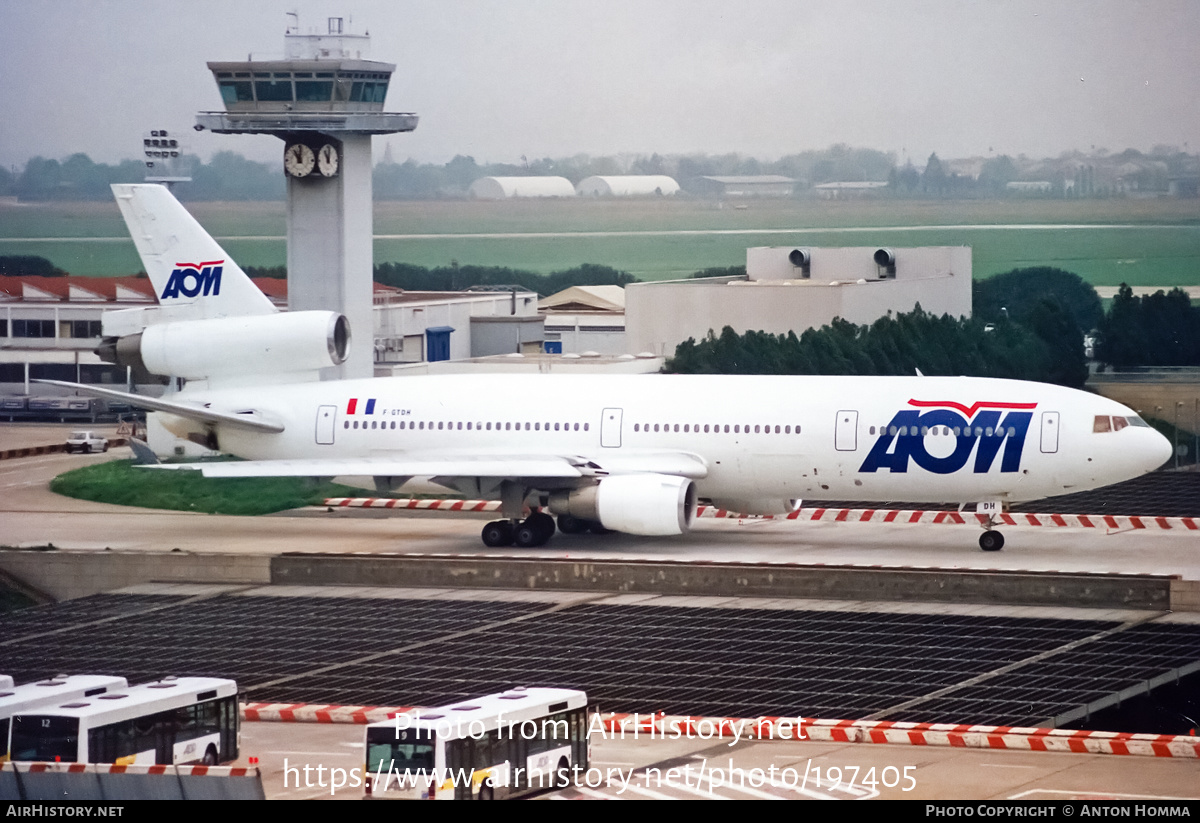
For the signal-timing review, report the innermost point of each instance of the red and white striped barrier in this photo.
(954, 518)
(133, 768)
(916, 734)
(1082, 521)
(425, 505)
(674, 727)
(319, 713)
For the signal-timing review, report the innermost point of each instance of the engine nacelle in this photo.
(759, 506)
(647, 504)
(235, 346)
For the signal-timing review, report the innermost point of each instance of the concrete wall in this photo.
(70, 574)
(1156, 398)
(506, 334)
(65, 575)
(734, 580)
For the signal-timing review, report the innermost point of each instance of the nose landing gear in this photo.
(991, 541)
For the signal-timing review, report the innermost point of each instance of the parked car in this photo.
(85, 442)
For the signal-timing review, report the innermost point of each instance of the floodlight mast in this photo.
(324, 100)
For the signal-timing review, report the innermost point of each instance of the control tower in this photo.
(325, 102)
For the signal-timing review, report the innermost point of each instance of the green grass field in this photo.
(119, 482)
(1142, 242)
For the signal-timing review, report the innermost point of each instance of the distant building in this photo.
(627, 185)
(847, 190)
(585, 320)
(796, 288)
(504, 188)
(759, 185)
(1029, 186)
(430, 326)
(50, 327)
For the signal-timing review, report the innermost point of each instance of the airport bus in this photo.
(502, 745)
(27, 696)
(170, 721)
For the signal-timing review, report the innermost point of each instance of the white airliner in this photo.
(630, 453)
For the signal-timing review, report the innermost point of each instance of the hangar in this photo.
(505, 188)
(627, 185)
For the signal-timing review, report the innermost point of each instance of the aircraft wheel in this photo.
(991, 541)
(544, 523)
(571, 525)
(498, 533)
(534, 531)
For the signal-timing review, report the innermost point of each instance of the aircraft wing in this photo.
(401, 466)
(457, 464)
(193, 411)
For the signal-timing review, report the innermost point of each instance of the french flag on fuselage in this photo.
(352, 406)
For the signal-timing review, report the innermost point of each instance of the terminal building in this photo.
(791, 288)
(50, 327)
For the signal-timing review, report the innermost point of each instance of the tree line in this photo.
(1027, 324)
(230, 176)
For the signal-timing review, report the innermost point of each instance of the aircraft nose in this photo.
(1158, 452)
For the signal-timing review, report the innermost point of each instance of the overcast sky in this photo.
(498, 80)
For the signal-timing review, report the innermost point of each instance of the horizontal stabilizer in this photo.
(244, 420)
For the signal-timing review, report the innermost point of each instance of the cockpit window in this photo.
(1104, 423)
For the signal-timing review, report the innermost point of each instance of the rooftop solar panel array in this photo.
(679, 660)
(1067, 681)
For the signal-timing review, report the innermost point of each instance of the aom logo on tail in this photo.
(191, 279)
(943, 438)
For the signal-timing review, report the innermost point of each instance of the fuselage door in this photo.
(1049, 432)
(326, 417)
(610, 429)
(845, 433)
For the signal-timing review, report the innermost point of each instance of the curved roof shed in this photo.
(627, 185)
(503, 188)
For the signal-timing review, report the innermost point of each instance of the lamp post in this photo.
(1178, 403)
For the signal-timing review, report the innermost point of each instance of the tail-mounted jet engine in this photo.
(234, 346)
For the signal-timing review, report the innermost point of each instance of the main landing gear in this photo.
(535, 530)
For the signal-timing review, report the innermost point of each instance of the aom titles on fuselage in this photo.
(629, 453)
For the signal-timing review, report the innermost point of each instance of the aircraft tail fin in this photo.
(190, 271)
